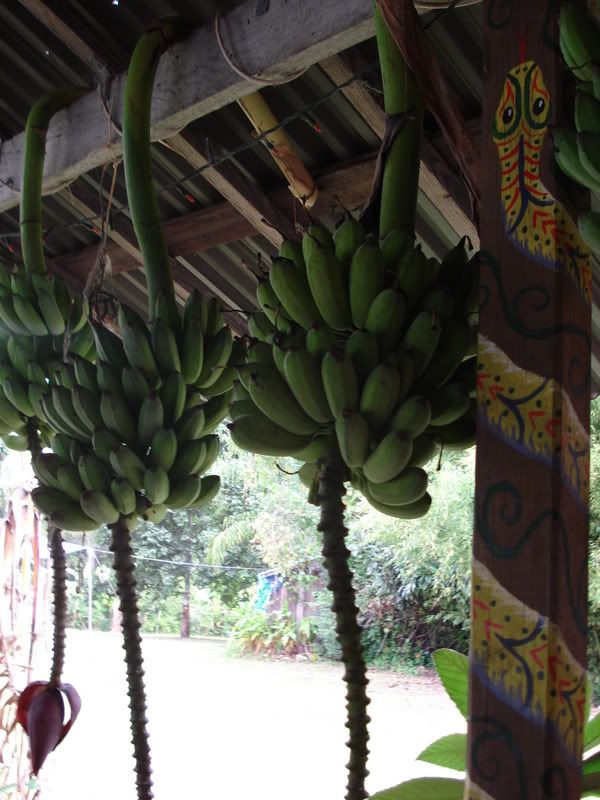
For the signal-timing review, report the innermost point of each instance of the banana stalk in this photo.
(336, 555)
(36, 129)
(59, 593)
(137, 161)
(126, 587)
(401, 171)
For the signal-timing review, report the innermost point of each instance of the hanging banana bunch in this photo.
(362, 366)
(577, 151)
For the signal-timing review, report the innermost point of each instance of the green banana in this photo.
(173, 395)
(209, 489)
(93, 472)
(366, 281)
(395, 246)
(184, 492)
(86, 407)
(223, 383)
(453, 265)
(259, 326)
(216, 355)
(104, 442)
(51, 313)
(163, 449)
(328, 287)
(340, 382)
(139, 351)
(190, 425)
(190, 458)
(82, 344)
(128, 465)
(69, 481)
(290, 284)
(363, 349)
(155, 514)
(135, 386)
(267, 299)
(449, 403)
(16, 392)
(421, 340)
(380, 394)
(214, 317)
(151, 419)
(213, 448)
(307, 474)
(440, 301)
(425, 447)
(260, 352)
(166, 351)
(15, 441)
(72, 518)
(192, 351)
(292, 250)
(386, 313)
(65, 376)
(49, 500)
(108, 378)
(45, 467)
(566, 154)
(117, 417)
(348, 236)
(414, 277)
(409, 511)
(587, 147)
(452, 348)
(589, 228)
(242, 408)
(319, 447)
(319, 339)
(587, 113)
(99, 507)
(109, 347)
(303, 374)
(215, 411)
(9, 412)
(389, 458)
(123, 495)
(29, 316)
(581, 37)
(85, 374)
(35, 393)
(10, 320)
(353, 435)
(61, 445)
(274, 398)
(408, 487)
(315, 236)
(156, 485)
(458, 435)
(258, 434)
(412, 417)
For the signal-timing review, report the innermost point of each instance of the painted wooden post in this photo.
(529, 597)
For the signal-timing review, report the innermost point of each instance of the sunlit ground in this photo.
(224, 728)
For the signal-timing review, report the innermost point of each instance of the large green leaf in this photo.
(591, 733)
(453, 669)
(591, 764)
(424, 789)
(449, 751)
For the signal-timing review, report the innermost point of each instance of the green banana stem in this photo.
(336, 555)
(36, 129)
(400, 183)
(126, 587)
(137, 160)
(59, 592)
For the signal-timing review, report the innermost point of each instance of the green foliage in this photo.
(275, 633)
(424, 789)
(453, 671)
(449, 751)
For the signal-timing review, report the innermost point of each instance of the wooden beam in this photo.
(430, 176)
(219, 224)
(529, 635)
(192, 80)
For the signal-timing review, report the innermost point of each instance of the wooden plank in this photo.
(529, 589)
(192, 80)
(219, 224)
(373, 114)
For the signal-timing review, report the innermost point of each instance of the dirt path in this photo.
(224, 728)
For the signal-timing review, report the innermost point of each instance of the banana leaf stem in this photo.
(348, 630)
(137, 161)
(126, 587)
(36, 130)
(400, 183)
(59, 592)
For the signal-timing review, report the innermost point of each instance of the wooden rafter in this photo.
(192, 80)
